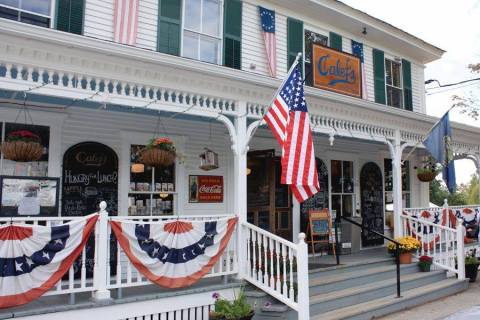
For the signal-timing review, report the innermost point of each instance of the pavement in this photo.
(462, 306)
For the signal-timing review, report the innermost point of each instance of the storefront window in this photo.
(30, 169)
(389, 184)
(152, 189)
(342, 187)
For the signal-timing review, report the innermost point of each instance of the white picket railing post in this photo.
(445, 207)
(460, 249)
(100, 270)
(302, 279)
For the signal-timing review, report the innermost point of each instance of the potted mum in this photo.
(238, 309)
(22, 146)
(408, 245)
(471, 265)
(158, 152)
(424, 263)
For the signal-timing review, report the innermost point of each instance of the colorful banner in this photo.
(34, 258)
(205, 189)
(174, 254)
(336, 71)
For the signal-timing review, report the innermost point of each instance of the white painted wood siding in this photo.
(99, 19)
(281, 30)
(346, 45)
(147, 24)
(368, 76)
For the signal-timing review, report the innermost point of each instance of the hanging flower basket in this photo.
(22, 146)
(428, 170)
(158, 152)
(426, 176)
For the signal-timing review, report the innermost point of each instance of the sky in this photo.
(453, 26)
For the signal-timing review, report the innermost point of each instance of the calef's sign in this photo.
(336, 71)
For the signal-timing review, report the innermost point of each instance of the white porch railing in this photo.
(441, 241)
(278, 267)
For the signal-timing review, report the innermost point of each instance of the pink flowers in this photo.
(22, 135)
(216, 295)
(425, 259)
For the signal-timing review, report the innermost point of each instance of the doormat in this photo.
(321, 265)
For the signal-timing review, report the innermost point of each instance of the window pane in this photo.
(396, 75)
(347, 176)
(313, 38)
(336, 176)
(389, 96)
(388, 72)
(8, 13)
(34, 19)
(211, 17)
(192, 14)
(11, 3)
(337, 204)
(208, 50)
(347, 205)
(37, 6)
(190, 45)
(397, 100)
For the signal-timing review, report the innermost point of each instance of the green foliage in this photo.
(232, 310)
(438, 192)
(471, 258)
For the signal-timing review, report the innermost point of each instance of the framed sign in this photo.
(205, 189)
(319, 228)
(28, 196)
(336, 71)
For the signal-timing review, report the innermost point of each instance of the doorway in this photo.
(371, 190)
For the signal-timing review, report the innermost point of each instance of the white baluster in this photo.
(8, 70)
(83, 270)
(291, 294)
(277, 254)
(265, 261)
(256, 268)
(284, 260)
(271, 280)
(249, 253)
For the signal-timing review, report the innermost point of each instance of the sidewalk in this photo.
(449, 308)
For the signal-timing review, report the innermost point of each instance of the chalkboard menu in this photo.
(317, 201)
(371, 204)
(90, 175)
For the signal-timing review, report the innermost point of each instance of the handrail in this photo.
(269, 234)
(362, 227)
(428, 223)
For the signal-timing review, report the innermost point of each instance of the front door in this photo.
(371, 189)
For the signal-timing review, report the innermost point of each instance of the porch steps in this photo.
(368, 290)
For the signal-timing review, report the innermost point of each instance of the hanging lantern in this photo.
(208, 160)
(22, 146)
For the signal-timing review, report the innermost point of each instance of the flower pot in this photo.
(471, 271)
(426, 176)
(157, 157)
(405, 258)
(424, 267)
(212, 316)
(22, 151)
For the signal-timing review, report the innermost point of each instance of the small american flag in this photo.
(357, 50)
(267, 18)
(288, 118)
(125, 22)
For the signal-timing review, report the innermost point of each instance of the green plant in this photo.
(407, 244)
(231, 310)
(471, 257)
(161, 143)
(425, 261)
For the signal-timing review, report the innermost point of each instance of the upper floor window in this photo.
(393, 82)
(311, 38)
(36, 12)
(201, 31)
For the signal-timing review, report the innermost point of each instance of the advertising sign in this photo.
(205, 189)
(336, 71)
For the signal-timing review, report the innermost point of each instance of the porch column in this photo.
(396, 150)
(240, 183)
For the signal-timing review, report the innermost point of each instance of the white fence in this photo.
(278, 267)
(441, 235)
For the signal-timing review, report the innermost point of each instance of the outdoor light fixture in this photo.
(249, 171)
(364, 32)
(137, 168)
(163, 195)
(433, 80)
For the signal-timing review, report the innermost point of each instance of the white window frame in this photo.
(200, 34)
(342, 193)
(393, 60)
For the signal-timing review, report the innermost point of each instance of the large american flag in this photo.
(267, 18)
(288, 118)
(125, 22)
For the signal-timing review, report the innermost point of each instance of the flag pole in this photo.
(426, 134)
(260, 122)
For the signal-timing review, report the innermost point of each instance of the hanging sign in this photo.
(205, 189)
(336, 71)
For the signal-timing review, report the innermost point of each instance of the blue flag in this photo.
(439, 144)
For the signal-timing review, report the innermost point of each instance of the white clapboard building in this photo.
(96, 79)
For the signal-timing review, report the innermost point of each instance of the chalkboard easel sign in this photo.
(319, 228)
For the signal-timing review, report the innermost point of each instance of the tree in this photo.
(439, 192)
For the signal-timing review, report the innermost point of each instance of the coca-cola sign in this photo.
(205, 189)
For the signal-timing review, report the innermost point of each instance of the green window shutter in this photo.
(70, 15)
(335, 41)
(294, 39)
(232, 34)
(379, 75)
(168, 36)
(407, 84)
